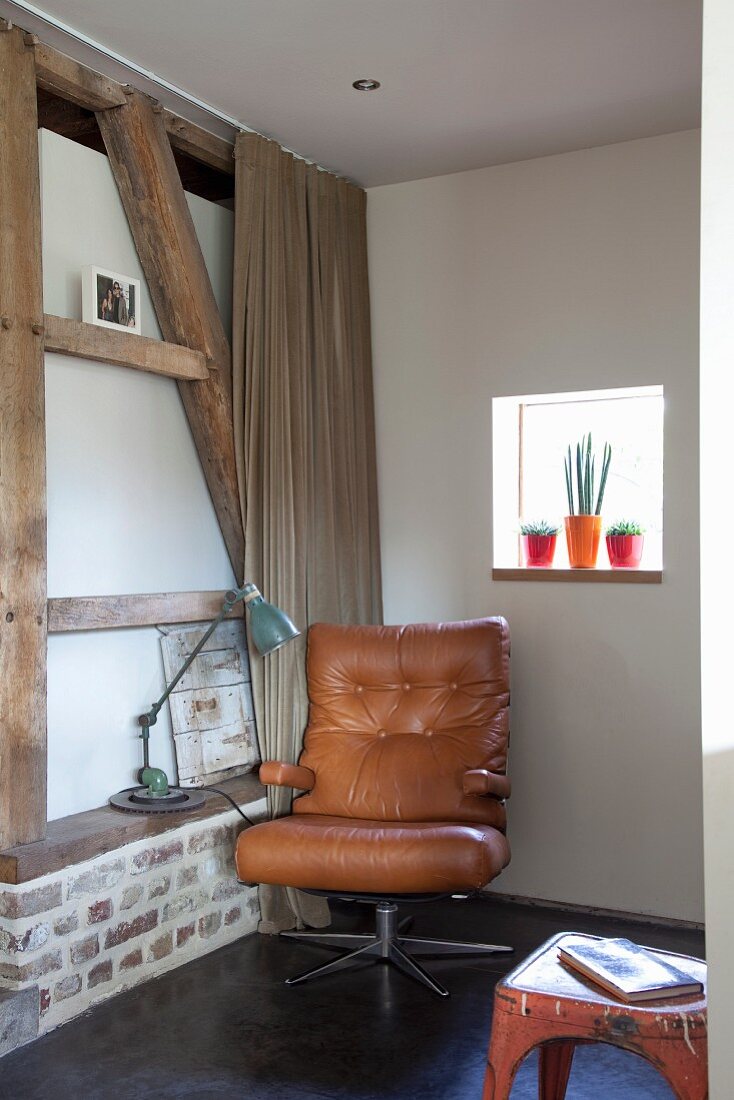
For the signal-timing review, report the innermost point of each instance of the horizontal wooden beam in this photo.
(57, 73)
(108, 612)
(83, 836)
(215, 151)
(581, 576)
(70, 80)
(124, 349)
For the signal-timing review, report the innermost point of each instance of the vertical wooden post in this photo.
(22, 456)
(165, 238)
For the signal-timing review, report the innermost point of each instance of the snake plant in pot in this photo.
(583, 522)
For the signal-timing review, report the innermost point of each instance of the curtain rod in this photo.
(132, 66)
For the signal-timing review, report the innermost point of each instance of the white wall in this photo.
(570, 272)
(717, 527)
(128, 507)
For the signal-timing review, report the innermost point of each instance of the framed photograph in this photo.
(110, 299)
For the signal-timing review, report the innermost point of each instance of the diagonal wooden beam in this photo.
(169, 251)
(22, 457)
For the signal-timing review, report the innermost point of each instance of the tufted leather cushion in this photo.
(399, 714)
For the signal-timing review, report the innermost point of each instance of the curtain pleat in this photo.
(304, 435)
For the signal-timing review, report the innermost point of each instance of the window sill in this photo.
(583, 576)
(83, 836)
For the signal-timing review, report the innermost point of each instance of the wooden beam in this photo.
(77, 83)
(66, 118)
(199, 143)
(71, 613)
(57, 73)
(80, 125)
(124, 349)
(83, 836)
(22, 457)
(160, 221)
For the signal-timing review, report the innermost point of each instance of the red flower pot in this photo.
(538, 550)
(625, 551)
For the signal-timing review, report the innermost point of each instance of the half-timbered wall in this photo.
(129, 510)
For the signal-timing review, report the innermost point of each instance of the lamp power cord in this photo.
(216, 790)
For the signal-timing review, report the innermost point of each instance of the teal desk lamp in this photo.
(270, 628)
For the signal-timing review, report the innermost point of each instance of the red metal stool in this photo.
(542, 1003)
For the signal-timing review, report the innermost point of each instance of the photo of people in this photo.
(110, 299)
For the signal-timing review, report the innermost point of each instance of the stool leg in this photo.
(506, 1051)
(685, 1070)
(554, 1069)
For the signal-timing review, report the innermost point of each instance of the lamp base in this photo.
(138, 800)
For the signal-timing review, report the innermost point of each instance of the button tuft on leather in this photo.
(406, 687)
(359, 689)
(382, 733)
(428, 733)
(453, 685)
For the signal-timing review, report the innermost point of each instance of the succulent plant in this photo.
(585, 474)
(625, 527)
(538, 527)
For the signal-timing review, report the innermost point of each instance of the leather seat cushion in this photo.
(394, 857)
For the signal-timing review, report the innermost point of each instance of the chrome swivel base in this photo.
(388, 945)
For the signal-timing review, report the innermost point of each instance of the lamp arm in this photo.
(247, 592)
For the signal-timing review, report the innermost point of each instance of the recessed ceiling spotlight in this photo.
(366, 85)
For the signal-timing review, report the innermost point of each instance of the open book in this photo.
(626, 970)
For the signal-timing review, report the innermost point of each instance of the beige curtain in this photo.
(304, 432)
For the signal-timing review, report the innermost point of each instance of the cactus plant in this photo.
(538, 527)
(625, 527)
(585, 476)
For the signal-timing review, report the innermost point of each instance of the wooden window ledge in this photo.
(83, 836)
(581, 576)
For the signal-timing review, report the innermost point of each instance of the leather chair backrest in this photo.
(399, 713)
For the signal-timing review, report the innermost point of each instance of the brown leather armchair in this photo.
(403, 770)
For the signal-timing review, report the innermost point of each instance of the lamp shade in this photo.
(270, 628)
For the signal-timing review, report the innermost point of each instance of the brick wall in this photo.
(99, 927)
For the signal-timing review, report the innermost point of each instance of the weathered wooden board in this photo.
(203, 753)
(123, 349)
(212, 713)
(223, 660)
(22, 456)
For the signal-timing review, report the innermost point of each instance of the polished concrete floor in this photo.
(226, 1026)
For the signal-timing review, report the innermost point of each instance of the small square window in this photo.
(531, 437)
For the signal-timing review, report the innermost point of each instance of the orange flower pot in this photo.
(582, 535)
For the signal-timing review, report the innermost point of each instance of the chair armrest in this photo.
(480, 781)
(276, 774)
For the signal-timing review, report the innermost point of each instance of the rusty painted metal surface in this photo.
(542, 1003)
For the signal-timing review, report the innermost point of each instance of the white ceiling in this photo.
(465, 83)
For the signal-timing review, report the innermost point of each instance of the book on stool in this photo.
(625, 969)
